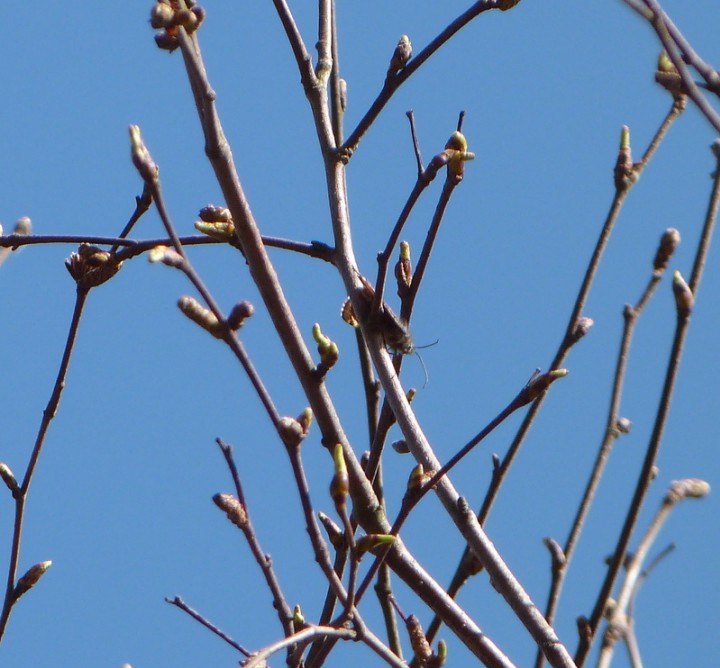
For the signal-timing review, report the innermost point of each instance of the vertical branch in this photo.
(419, 273)
(620, 621)
(626, 174)
(20, 494)
(246, 526)
(613, 429)
(685, 298)
(338, 87)
(324, 45)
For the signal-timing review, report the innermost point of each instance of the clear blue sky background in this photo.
(121, 499)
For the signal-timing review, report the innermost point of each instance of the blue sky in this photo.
(121, 499)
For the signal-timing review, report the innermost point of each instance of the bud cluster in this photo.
(216, 222)
(168, 16)
(91, 266)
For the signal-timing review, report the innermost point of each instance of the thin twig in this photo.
(142, 205)
(620, 617)
(365, 503)
(425, 178)
(279, 601)
(536, 385)
(467, 564)
(134, 247)
(392, 83)
(319, 648)
(416, 143)
(679, 52)
(646, 572)
(310, 633)
(338, 92)
(569, 338)
(152, 180)
(178, 602)
(318, 544)
(21, 494)
(646, 474)
(611, 433)
(302, 57)
(370, 386)
(418, 274)
(383, 591)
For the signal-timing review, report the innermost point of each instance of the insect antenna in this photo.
(428, 345)
(424, 368)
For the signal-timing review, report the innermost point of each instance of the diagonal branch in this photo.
(646, 474)
(394, 81)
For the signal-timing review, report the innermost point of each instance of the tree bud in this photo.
(401, 55)
(91, 266)
(234, 510)
(687, 488)
(201, 316)
(340, 484)
(8, 478)
(239, 314)
(669, 242)
(684, 299)
(30, 579)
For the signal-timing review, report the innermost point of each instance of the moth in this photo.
(394, 330)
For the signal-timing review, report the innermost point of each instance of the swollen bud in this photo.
(291, 431)
(30, 579)
(201, 316)
(162, 15)
(438, 659)
(580, 329)
(216, 222)
(401, 55)
(403, 269)
(23, 226)
(168, 256)
(688, 488)
(234, 510)
(668, 77)
(457, 155)
(8, 477)
(91, 266)
(141, 157)
(371, 541)
(167, 40)
(623, 425)
(538, 383)
(298, 619)
(624, 174)
(418, 641)
(305, 420)
(669, 242)
(239, 314)
(417, 478)
(217, 230)
(328, 349)
(400, 446)
(215, 214)
(557, 554)
(340, 484)
(684, 299)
